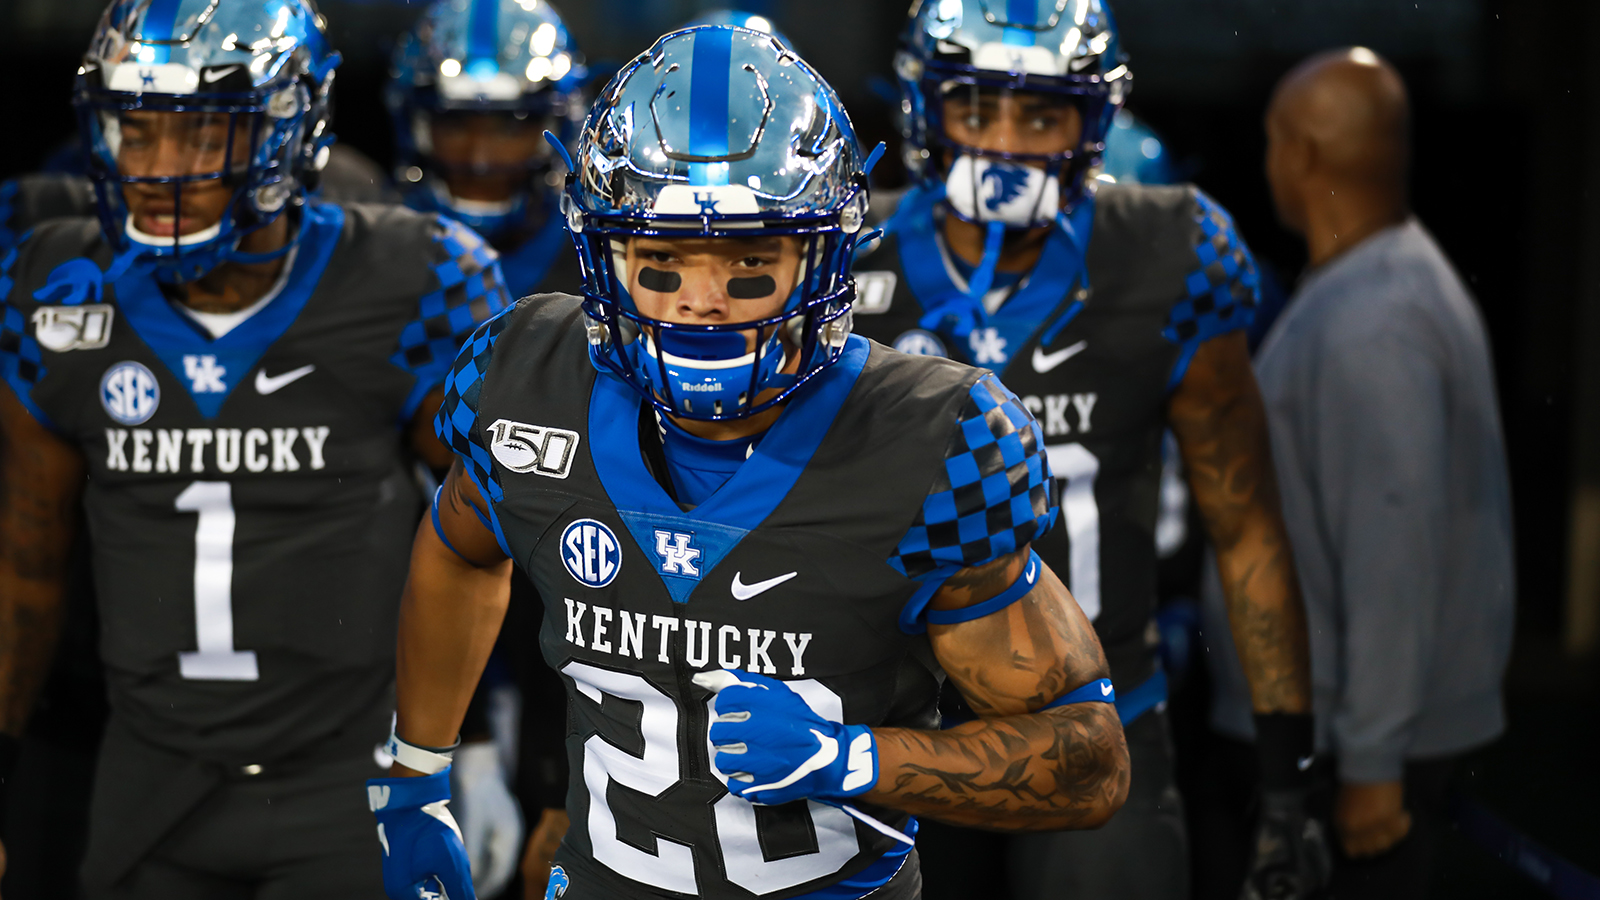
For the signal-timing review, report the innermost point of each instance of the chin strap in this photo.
(240, 256)
(958, 314)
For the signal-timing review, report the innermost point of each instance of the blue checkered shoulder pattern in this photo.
(1221, 295)
(21, 364)
(457, 421)
(9, 237)
(994, 494)
(470, 291)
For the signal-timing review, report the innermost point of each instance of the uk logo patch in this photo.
(591, 553)
(678, 555)
(130, 393)
(205, 376)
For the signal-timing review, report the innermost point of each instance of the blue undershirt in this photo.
(699, 466)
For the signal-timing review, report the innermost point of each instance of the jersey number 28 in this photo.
(671, 866)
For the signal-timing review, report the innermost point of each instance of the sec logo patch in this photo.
(130, 393)
(918, 342)
(591, 553)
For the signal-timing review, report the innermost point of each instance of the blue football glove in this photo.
(776, 749)
(423, 858)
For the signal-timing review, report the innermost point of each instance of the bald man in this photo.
(1386, 436)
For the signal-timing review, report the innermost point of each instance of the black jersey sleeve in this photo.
(30, 199)
(470, 290)
(1222, 292)
(993, 496)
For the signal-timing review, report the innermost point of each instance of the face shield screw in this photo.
(285, 104)
(269, 198)
(854, 213)
(573, 213)
(413, 174)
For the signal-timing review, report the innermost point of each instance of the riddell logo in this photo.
(691, 386)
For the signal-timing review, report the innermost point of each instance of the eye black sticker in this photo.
(753, 288)
(660, 281)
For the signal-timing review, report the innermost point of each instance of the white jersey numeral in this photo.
(214, 659)
(1076, 469)
(671, 866)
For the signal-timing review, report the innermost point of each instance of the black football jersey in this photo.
(884, 469)
(1095, 356)
(250, 503)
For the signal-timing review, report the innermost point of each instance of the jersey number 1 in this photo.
(215, 660)
(1075, 467)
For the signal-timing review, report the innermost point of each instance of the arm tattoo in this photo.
(1221, 425)
(1019, 767)
(40, 482)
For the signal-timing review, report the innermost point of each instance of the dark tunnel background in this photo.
(1506, 96)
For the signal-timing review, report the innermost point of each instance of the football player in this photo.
(762, 542)
(1115, 314)
(473, 88)
(245, 377)
(475, 85)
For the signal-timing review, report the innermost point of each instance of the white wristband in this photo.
(419, 759)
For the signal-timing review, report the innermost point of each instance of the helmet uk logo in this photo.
(591, 553)
(525, 448)
(130, 393)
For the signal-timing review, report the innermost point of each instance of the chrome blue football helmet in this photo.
(717, 132)
(252, 82)
(1067, 48)
(512, 57)
(741, 19)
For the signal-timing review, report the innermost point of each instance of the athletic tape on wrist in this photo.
(439, 529)
(1097, 691)
(1027, 581)
(427, 760)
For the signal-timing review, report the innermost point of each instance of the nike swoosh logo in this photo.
(268, 384)
(1106, 689)
(1044, 362)
(217, 74)
(742, 591)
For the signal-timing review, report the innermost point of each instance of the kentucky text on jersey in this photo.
(628, 637)
(222, 450)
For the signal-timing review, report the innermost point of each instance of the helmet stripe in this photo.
(708, 103)
(1021, 13)
(483, 28)
(160, 18)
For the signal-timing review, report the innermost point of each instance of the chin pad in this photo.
(702, 346)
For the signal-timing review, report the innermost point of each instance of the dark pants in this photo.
(1141, 854)
(165, 828)
(1224, 809)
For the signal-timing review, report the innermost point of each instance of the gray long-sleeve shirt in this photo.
(1386, 435)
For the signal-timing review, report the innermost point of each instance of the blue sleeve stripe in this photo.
(439, 528)
(1025, 583)
(1097, 691)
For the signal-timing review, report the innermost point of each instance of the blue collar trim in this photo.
(209, 369)
(961, 317)
(699, 539)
